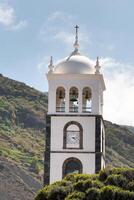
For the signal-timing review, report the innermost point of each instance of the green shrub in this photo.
(57, 192)
(110, 184)
(124, 195)
(76, 196)
(97, 184)
(63, 183)
(103, 174)
(117, 180)
(42, 194)
(86, 184)
(92, 194)
(79, 186)
(77, 177)
(108, 193)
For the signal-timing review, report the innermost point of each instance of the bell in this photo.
(73, 96)
(60, 94)
(87, 95)
(73, 99)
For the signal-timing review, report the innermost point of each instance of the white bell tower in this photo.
(75, 135)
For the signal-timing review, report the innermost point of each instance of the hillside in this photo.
(15, 182)
(119, 145)
(22, 129)
(22, 123)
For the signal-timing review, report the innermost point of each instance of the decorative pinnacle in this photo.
(50, 66)
(76, 44)
(97, 66)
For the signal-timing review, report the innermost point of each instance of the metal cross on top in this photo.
(76, 27)
(76, 45)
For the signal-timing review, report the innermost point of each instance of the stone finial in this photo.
(51, 66)
(97, 66)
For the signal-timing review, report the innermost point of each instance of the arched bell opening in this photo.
(60, 99)
(71, 165)
(87, 100)
(73, 99)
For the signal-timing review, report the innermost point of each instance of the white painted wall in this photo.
(57, 160)
(57, 126)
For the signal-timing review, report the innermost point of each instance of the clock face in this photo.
(73, 139)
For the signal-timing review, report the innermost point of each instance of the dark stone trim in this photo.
(47, 151)
(74, 152)
(98, 157)
(98, 144)
(74, 115)
(80, 134)
(69, 148)
(68, 160)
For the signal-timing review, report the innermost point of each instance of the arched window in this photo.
(73, 135)
(87, 100)
(60, 99)
(73, 99)
(71, 165)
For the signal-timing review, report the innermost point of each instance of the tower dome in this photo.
(76, 63)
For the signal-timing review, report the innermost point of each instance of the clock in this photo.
(73, 139)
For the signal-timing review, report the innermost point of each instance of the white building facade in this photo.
(75, 133)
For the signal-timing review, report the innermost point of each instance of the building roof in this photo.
(75, 64)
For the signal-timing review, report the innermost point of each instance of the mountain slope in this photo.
(22, 129)
(119, 145)
(16, 183)
(22, 123)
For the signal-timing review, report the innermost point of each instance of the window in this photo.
(73, 99)
(71, 165)
(60, 99)
(86, 100)
(73, 136)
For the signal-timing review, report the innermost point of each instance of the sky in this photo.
(31, 31)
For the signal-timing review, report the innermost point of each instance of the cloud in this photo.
(56, 27)
(119, 95)
(42, 66)
(8, 18)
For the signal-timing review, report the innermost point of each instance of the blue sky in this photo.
(31, 31)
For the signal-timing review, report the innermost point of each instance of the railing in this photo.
(73, 109)
(86, 109)
(60, 109)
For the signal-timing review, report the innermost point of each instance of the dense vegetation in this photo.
(109, 184)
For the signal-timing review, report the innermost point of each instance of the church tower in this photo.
(75, 133)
